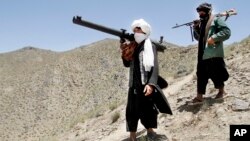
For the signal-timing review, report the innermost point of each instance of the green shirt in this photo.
(220, 32)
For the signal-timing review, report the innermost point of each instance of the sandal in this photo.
(195, 101)
(219, 96)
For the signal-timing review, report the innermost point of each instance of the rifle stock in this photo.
(120, 33)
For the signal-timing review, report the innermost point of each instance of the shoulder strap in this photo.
(209, 22)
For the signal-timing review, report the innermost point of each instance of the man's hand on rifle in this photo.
(127, 49)
(196, 23)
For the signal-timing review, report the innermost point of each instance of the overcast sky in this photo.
(47, 24)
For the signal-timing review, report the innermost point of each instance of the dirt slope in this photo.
(209, 121)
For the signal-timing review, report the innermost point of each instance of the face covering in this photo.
(204, 17)
(139, 37)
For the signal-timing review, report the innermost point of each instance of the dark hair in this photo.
(206, 7)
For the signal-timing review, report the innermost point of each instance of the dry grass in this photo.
(115, 117)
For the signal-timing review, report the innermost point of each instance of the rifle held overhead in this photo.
(225, 14)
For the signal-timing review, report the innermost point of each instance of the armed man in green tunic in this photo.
(210, 31)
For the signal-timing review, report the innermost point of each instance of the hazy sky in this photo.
(47, 24)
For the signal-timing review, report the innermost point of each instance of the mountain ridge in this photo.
(46, 94)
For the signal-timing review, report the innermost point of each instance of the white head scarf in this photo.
(148, 55)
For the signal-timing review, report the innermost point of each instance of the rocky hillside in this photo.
(45, 93)
(209, 121)
(80, 95)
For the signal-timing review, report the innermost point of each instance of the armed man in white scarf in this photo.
(145, 97)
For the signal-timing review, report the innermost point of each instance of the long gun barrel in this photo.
(120, 33)
(187, 24)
